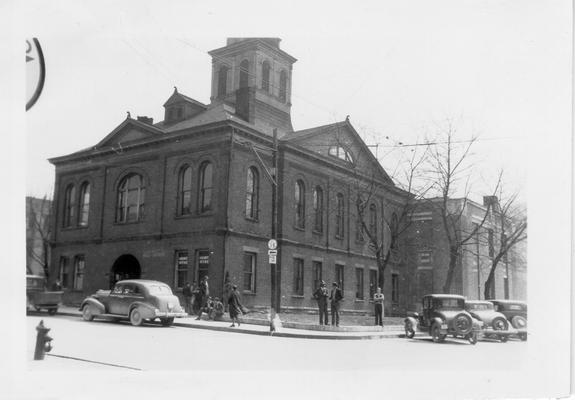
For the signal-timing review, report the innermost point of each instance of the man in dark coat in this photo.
(203, 295)
(335, 298)
(321, 295)
(187, 293)
(234, 305)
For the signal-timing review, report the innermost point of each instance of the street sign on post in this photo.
(272, 255)
(272, 244)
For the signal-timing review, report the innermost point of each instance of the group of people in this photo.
(197, 300)
(335, 296)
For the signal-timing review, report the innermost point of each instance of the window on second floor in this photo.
(206, 188)
(266, 76)
(130, 201)
(69, 206)
(84, 209)
(318, 209)
(339, 216)
(299, 198)
(252, 193)
(185, 191)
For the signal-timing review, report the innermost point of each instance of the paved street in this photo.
(117, 346)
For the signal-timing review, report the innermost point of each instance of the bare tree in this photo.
(512, 229)
(38, 224)
(449, 165)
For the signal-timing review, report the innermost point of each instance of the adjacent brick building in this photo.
(192, 195)
(37, 235)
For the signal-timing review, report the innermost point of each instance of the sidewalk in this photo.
(259, 326)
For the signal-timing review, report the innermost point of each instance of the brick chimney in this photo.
(492, 201)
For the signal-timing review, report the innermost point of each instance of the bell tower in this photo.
(254, 75)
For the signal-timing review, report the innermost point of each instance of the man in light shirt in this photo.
(378, 302)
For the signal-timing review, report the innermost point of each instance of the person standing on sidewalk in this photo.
(187, 293)
(378, 302)
(203, 296)
(335, 298)
(321, 295)
(234, 306)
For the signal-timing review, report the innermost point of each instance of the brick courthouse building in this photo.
(192, 195)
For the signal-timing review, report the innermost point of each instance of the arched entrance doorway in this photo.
(125, 267)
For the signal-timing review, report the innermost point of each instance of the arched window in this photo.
(205, 195)
(84, 210)
(244, 73)
(299, 198)
(341, 153)
(373, 220)
(222, 81)
(339, 216)
(266, 76)
(394, 226)
(131, 193)
(252, 193)
(318, 209)
(69, 206)
(185, 190)
(283, 86)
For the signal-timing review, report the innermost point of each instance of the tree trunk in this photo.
(453, 258)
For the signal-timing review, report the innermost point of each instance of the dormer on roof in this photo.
(180, 107)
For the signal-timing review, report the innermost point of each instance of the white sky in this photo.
(499, 69)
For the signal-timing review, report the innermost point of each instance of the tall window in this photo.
(339, 216)
(372, 282)
(63, 271)
(244, 73)
(318, 209)
(252, 191)
(317, 274)
(299, 197)
(298, 276)
(84, 204)
(185, 191)
(206, 175)
(359, 283)
(181, 268)
(79, 264)
(222, 81)
(69, 206)
(266, 76)
(283, 86)
(395, 288)
(339, 275)
(203, 263)
(131, 193)
(359, 229)
(249, 272)
(373, 220)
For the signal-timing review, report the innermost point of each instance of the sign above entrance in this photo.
(272, 244)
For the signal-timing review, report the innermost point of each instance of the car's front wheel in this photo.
(436, 335)
(499, 324)
(167, 321)
(519, 322)
(136, 317)
(87, 314)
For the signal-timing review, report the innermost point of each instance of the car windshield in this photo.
(478, 307)
(159, 289)
(454, 304)
(34, 283)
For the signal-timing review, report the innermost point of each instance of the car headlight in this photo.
(170, 306)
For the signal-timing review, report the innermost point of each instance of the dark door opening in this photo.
(125, 267)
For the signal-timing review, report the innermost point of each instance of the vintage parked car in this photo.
(495, 324)
(136, 299)
(442, 315)
(38, 297)
(516, 313)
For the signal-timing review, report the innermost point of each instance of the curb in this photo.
(368, 336)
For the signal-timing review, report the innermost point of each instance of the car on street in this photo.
(442, 315)
(39, 298)
(136, 299)
(516, 313)
(495, 324)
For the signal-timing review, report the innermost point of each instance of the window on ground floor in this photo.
(63, 272)
(250, 272)
(359, 283)
(317, 274)
(79, 264)
(182, 260)
(372, 282)
(298, 276)
(339, 276)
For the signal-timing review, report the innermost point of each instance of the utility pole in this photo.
(275, 298)
(478, 266)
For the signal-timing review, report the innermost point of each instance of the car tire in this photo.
(136, 317)
(87, 314)
(462, 324)
(167, 321)
(472, 337)
(52, 311)
(519, 322)
(499, 324)
(436, 335)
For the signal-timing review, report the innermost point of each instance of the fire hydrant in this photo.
(43, 341)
